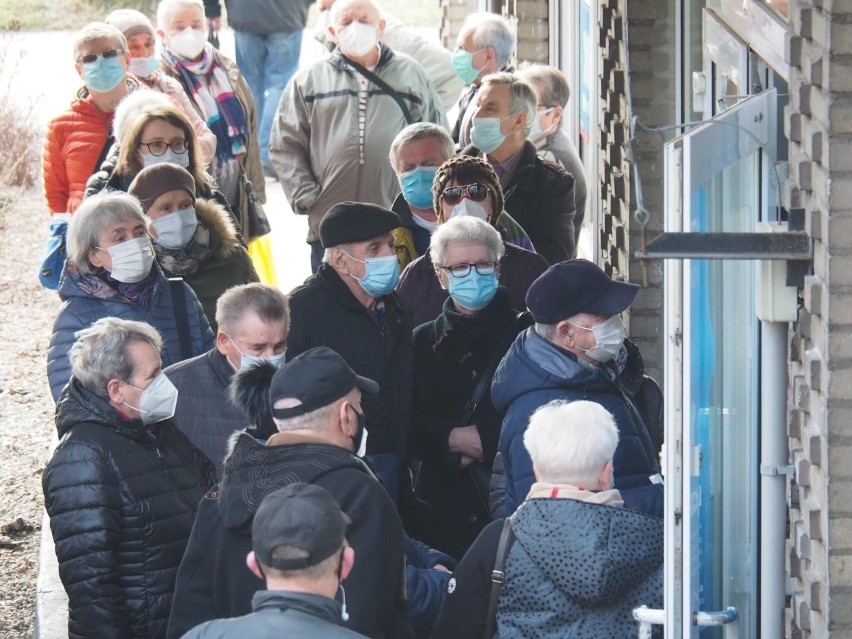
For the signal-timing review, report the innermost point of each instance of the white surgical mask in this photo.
(131, 260)
(469, 208)
(181, 159)
(188, 43)
(357, 38)
(158, 400)
(175, 230)
(609, 336)
(247, 360)
(144, 67)
(537, 132)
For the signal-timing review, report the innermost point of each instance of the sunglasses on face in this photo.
(106, 55)
(454, 194)
(158, 148)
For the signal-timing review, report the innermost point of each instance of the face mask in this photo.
(537, 132)
(486, 135)
(473, 291)
(359, 439)
(158, 401)
(181, 159)
(144, 67)
(469, 208)
(609, 336)
(381, 277)
(188, 43)
(417, 186)
(131, 260)
(104, 74)
(175, 230)
(357, 39)
(247, 360)
(463, 65)
(424, 224)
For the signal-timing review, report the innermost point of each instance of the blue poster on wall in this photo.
(586, 71)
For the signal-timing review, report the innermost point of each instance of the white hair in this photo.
(167, 7)
(421, 131)
(491, 30)
(465, 229)
(546, 331)
(523, 96)
(98, 31)
(569, 442)
(132, 106)
(94, 215)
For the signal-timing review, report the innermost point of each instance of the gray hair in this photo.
(132, 106)
(523, 96)
(553, 89)
(326, 255)
(465, 229)
(92, 216)
(100, 352)
(315, 420)
(97, 31)
(546, 331)
(167, 7)
(491, 30)
(270, 304)
(421, 131)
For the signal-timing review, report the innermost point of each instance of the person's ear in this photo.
(251, 562)
(94, 258)
(520, 122)
(347, 562)
(161, 33)
(605, 477)
(443, 280)
(79, 68)
(346, 413)
(115, 391)
(338, 260)
(565, 333)
(557, 114)
(223, 342)
(381, 31)
(490, 55)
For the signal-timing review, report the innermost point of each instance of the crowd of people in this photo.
(444, 432)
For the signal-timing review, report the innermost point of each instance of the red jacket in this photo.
(72, 146)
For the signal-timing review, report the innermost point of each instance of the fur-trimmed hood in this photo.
(221, 225)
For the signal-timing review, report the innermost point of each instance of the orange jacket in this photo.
(72, 146)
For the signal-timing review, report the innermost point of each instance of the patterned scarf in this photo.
(101, 286)
(212, 91)
(185, 261)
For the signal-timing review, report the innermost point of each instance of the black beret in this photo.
(354, 222)
(577, 286)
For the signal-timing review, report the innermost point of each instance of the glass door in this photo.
(716, 177)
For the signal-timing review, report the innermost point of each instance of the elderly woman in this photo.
(467, 186)
(222, 97)
(111, 271)
(551, 140)
(575, 562)
(122, 486)
(145, 65)
(455, 428)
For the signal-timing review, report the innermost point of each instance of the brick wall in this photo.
(818, 122)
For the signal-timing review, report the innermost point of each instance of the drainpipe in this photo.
(495, 6)
(774, 469)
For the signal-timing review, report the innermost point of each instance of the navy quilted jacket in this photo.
(88, 298)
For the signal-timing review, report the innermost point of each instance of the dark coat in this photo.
(203, 412)
(422, 297)
(323, 312)
(89, 298)
(574, 569)
(535, 372)
(539, 195)
(451, 353)
(121, 499)
(213, 580)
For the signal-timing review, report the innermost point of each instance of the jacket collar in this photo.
(342, 62)
(283, 600)
(401, 208)
(220, 366)
(328, 277)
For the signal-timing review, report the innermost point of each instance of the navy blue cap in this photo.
(577, 286)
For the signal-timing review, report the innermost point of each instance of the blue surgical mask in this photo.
(473, 291)
(181, 159)
(175, 230)
(463, 65)
(485, 134)
(247, 360)
(104, 74)
(417, 186)
(144, 67)
(381, 277)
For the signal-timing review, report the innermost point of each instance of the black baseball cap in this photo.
(300, 515)
(577, 286)
(316, 378)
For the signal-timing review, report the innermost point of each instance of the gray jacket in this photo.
(315, 146)
(277, 614)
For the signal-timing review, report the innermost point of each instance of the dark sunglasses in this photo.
(106, 55)
(454, 194)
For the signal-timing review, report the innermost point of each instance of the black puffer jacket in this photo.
(121, 499)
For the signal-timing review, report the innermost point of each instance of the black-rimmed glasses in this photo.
(159, 147)
(462, 269)
(106, 55)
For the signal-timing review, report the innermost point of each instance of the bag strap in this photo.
(372, 77)
(507, 536)
(104, 152)
(179, 304)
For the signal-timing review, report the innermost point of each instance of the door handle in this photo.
(648, 617)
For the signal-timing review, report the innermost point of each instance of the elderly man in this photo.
(122, 486)
(539, 194)
(337, 119)
(316, 402)
(350, 306)
(484, 45)
(253, 320)
(576, 350)
(575, 562)
(78, 139)
(299, 548)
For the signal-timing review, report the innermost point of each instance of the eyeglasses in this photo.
(462, 269)
(159, 147)
(106, 55)
(453, 195)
